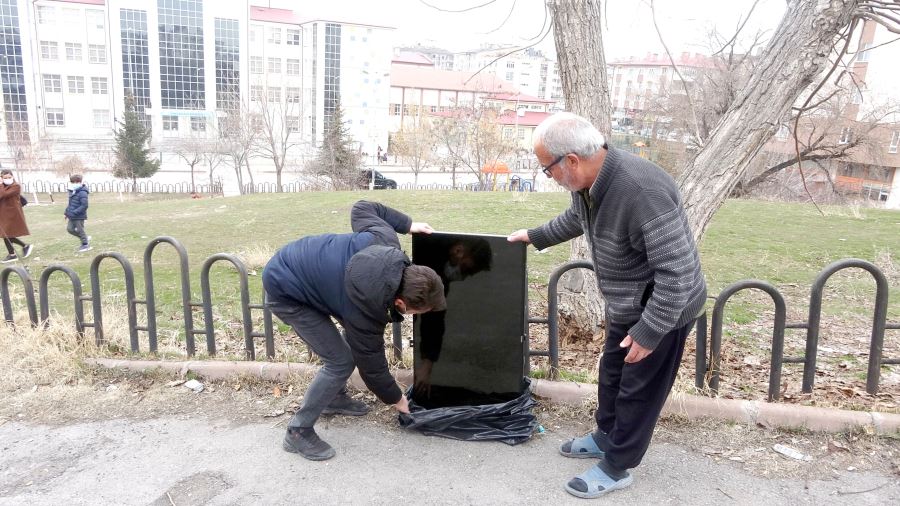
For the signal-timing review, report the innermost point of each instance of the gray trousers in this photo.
(318, 331)
(76, 228)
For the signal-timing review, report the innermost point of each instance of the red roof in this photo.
(414, 76)
(412, 58)
(518, 97)
(529, 118)
(271, 15)
(695, 60)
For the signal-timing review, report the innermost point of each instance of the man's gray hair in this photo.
(565, 132)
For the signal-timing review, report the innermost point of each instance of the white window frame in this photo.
(292, 95)
(895, 141)
(104, 122)
(273, 65)
(293, 37)
(46, 15)
(74, 51)
(273, 35)
(169, 123)
(55, 117)
(97, 17)
(863, 56)
(75, 84)
(292, 67)
(198, 124)
(256, 93)
(846, 135)
(99, 86)
(54, 81)
(256, 65)
(292, 123)
(97, 53)
(273, 95)
(49, 50)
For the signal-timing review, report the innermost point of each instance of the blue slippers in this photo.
(583, 447)
(595, 482)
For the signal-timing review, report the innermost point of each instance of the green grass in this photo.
(786, 244)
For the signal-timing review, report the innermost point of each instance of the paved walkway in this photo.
(196, 461)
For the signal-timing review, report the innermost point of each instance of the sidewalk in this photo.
(181, 460)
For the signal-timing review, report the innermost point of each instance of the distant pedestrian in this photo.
(379, 154)
(12, 218)
(76, 211)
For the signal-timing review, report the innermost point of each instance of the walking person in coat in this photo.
(364, 281)
(648, 270)
(76, 211)
(12, 217)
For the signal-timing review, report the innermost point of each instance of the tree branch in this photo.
(741, 27)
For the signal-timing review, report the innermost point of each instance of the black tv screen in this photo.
(474, 352)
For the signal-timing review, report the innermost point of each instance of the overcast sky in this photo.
(627, 31)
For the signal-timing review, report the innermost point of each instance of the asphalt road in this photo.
(180, 461)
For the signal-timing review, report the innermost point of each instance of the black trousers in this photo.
(631, 396)
(9, 241)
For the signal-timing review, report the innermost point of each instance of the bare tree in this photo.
(472, 138)
(69, 165)
(193, 151)
(280, 119)
(238, 131)
(416, 146)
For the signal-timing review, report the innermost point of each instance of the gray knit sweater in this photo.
(644, 254)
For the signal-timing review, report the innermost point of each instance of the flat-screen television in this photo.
(474, 352)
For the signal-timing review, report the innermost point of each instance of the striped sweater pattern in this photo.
(644, 255)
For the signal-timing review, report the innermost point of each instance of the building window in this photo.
(99, 86)
(293, 124)
(97, 53)
(293, 67)
(182, 75)
(293, 37)
(274, 95)
(274, 66)
(254, 33)
(863, 55)
(256, 65)
(52, 83)
(73, 51)
(895, 140)
(46, 15)
(507, 132)
(76, 84)
(228, 92)
(56, 118)
(170, 123)
(95, 19)
(274, 35)
(332, 91)
(521, 134)
(101, 118)
(198, 123)
(510, 65)
(136, 59)
(846, 135)
(256, 93)
(49, 50)
(395, 109)
(782, 133)
(15, 110)
(292, 95)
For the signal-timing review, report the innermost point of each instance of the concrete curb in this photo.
(690, 406)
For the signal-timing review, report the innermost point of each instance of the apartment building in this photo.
(186, 64)
(529, 70)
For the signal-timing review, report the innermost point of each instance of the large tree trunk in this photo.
(582, 71)
(797, 54)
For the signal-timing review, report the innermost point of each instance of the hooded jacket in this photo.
(78, 203)
(354, 278)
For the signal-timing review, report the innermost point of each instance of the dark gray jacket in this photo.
(644, 254)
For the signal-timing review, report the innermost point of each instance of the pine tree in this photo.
(133, 154)
(338, 158)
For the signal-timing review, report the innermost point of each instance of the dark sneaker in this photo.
(27, 250)
(307, 443)
(343, 404)
(10, 258)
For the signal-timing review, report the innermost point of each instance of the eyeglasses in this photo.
(548, 168)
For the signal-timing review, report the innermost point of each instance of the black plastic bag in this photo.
(510, 422)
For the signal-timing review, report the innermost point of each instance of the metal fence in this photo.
(124, 187)
(707, 369)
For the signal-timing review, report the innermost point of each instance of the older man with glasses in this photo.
(648, 270)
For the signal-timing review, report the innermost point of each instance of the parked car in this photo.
(381, 182)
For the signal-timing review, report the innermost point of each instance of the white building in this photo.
(530, 71)
(186, 63)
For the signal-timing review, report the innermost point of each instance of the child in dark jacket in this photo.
(76, 211)
(364, 281)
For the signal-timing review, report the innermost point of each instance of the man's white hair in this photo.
(565, 132)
